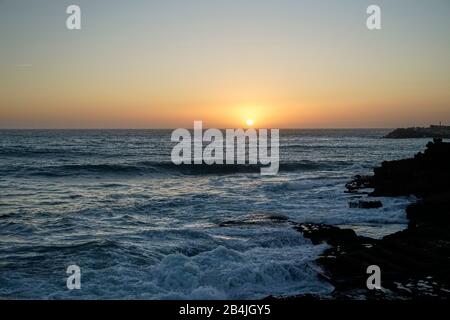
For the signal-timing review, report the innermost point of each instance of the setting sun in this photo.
(249, 122)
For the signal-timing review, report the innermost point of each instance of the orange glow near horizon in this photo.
(280, 66)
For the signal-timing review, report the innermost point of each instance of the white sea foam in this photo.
(228, 274)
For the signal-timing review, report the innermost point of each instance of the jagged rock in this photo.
(254, 219)
(362, 204)
(359, 182)
(406, 259)
(318, 233)
(433, 209)
(426, 174)
(414, 262)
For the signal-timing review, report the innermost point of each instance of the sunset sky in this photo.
(166, 63)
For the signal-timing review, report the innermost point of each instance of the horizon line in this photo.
(206, 128)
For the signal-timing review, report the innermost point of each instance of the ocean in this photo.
(139, 227)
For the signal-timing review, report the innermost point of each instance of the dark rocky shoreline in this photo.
(415, 262)
(418, 132)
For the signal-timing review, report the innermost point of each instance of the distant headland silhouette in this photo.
(433, 131)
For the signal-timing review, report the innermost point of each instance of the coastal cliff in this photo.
(414, 262)
(432, 131)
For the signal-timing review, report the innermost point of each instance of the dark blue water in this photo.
(112, 203)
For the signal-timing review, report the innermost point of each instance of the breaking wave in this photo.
(161, 168)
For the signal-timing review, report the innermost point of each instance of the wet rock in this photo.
(428, 173)
(255, 219)
(407, 257)
(434, 209)
(414, 262)
(359, 182)
(318, 233)
(362, 204)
